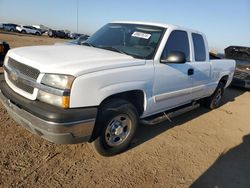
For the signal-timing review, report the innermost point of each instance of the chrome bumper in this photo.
(60, 133)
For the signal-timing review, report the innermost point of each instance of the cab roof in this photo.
(158, 25)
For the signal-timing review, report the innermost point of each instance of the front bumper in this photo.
(51, 123)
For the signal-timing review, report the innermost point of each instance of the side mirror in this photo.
(174, 57)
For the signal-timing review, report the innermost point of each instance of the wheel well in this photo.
(136, 97)
(224, 80)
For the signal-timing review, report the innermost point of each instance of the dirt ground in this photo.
(199, 149)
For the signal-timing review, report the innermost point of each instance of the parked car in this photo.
(43, 29)
(242, 73)
(28, 29)
(79, 40)
(57, 33)
(9, 27)
(98, 92)
(74, 35)
(214, 56)
(4, 48)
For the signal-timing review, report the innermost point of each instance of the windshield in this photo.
(140, 41)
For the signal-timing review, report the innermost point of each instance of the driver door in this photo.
(173, 81)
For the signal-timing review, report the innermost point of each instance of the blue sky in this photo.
(225, 22)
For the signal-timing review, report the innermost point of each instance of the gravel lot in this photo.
(199, 149)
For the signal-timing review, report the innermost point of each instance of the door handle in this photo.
(190, 72)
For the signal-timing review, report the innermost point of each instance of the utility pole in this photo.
(77, 4)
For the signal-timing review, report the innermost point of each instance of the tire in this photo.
(215, 100)
(11, 30)
(37, 33)
(118, 121)
(23, 32)
(50, 34)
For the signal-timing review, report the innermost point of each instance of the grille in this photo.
(24, 69)
(21, 85)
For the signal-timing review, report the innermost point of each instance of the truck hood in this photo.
(71, 59)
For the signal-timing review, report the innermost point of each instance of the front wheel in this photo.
(215, 100)
(118, 120)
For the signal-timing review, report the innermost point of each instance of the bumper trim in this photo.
(60, 133)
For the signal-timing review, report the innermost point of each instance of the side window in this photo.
(177, 41)
(199, 47)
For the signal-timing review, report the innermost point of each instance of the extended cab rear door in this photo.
(202, 67)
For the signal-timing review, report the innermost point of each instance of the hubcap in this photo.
(118, 130)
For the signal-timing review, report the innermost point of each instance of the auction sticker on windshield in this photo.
(141, 35)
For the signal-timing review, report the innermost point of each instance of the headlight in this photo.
(58, 81)
(60, 101)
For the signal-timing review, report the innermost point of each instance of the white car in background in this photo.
(28, 29)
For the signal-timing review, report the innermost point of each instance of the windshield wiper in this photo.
(112, 49)
(87, 44)
(119, 51)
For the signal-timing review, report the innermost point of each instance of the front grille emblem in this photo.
(14, 75)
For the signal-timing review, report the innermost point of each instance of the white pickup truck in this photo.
(99, 91)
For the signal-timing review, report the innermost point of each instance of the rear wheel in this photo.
(50, 33)
(118, 120)
(37, 33)
(215, 100)
(23, 31)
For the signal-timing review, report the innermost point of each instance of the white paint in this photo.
(101, 73)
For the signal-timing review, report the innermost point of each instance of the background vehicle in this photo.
(28, 29)
(10, 27)
(57, 33)
(42, 28)
(99, 91)
(214, 56)
(242, 73)
(4, 48)
(80, 40)
(74, 35)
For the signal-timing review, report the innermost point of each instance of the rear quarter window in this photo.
(199, 47)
